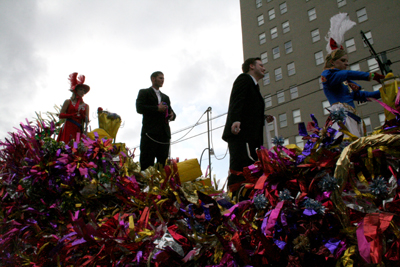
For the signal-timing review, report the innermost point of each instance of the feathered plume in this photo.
(81, 79)
(75, 80)
(340, 24)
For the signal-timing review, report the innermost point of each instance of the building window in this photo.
(288, 47)
(319, 58)
(299, 141)
(312, 14)
(341, 3)
(350, 45)
(321, 86)
(283, 8)
(291, 69)
(271, 14)
(325, 105)
(282, 120)
(368, 35)
(376, 87)
(355, 67)
(268, 101)
(286, 142)
(278, 74)
(271, 127)
(296, 116)
(368, 126)
(266, 79)
(262, 38)
(274, 32)
(281, 96)
(260, 20)
(285, 27)
(373, 65)
(315, 35)
(294, 93)
(275, 52)
(362, 15)
(264, 58)
(258, 3)
(382, 118)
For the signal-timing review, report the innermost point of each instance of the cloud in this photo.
(21, 69)
(117, 45)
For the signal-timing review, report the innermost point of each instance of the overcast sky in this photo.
(117, 45)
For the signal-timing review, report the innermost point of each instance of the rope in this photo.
(171, 143)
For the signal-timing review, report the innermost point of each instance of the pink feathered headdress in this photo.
(76, 80)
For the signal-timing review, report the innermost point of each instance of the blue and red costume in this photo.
(336, 88)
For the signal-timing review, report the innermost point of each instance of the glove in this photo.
(68, 116)
(378, 77)
(360, 98)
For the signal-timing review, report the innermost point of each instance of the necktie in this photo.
(158, 96)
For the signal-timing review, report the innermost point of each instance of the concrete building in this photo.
(289, 36)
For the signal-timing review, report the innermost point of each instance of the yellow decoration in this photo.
(177, 197)
(344, 130)
(388, 94)
(205, 181)
(189, 189)
(131, 223)
(395, 229)
(101, 132)
(143, 234)
(121, 147)
(160, 217)
(160, 202)
(115, 211)
(362, 178)
(189, 170)
(110, 124)
(42, 247)
(345, 260)
(343, 163)
(218, 255)
(294, 147)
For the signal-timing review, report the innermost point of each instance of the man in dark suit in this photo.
(245, 120)
(157, 113)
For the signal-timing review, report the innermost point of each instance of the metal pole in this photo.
(208, 131)
(372, 50)
(386, 62)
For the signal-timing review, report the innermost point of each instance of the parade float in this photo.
(87, 203)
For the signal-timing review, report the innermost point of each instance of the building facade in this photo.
(289, 37)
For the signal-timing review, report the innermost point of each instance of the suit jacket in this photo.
(246, 105)
(154, 123)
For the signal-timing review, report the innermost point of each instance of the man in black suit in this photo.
(157, 113)
(245, 120)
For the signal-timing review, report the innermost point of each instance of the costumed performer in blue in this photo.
(74, 110)
(337, 81)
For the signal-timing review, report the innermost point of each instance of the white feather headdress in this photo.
(340, 24)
